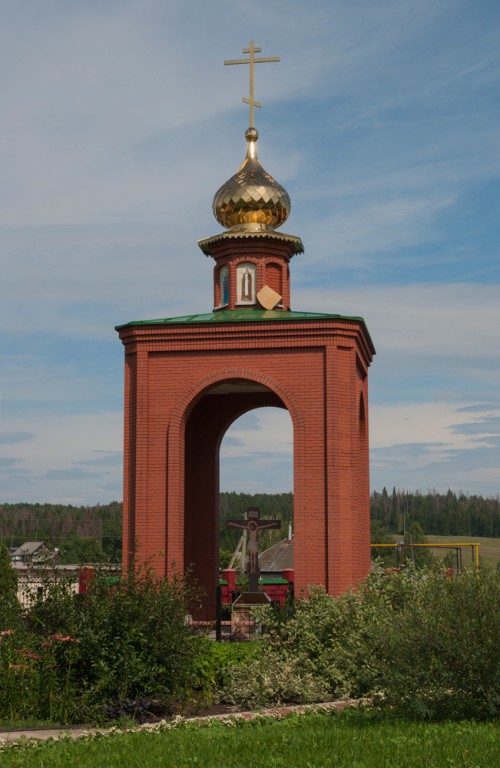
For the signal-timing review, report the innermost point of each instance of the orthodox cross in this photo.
(252, 61)
(253, 524)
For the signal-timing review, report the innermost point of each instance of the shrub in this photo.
(37, 677)
(121, 642)
(133, 635)
(9, 605)
(314, 654)
(272, 680)
(417, 640)
(213, 667)
(437, 656)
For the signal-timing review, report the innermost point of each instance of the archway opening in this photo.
(214, 412)
(256, 470)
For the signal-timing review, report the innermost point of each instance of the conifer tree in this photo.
(9, 605)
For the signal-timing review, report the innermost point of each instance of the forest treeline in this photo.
(82, 534)
(273, 506)
(92, 533)
(438, 514)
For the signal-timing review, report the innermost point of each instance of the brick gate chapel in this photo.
(187, 379)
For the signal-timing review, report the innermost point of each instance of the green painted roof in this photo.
(241, 316)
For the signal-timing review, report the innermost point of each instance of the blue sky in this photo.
(119, 122)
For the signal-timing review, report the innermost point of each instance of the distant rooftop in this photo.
(28, 548)
(278, 557)
(33, 552)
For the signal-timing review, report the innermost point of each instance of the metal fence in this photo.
(235, 618)
(34, 583)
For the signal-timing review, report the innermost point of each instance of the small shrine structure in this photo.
(187, 379)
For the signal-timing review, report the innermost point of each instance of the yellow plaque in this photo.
(268, 298)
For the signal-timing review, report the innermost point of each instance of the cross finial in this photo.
(252, 60)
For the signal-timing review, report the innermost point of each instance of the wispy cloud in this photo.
(462, 454)
(119, 122)
(10, 438)
(456, 323)
(52, 465)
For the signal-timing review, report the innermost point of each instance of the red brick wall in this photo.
(317, 369)
(271, 258)
(274, 277)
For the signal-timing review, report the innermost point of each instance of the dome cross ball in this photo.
(251, 199)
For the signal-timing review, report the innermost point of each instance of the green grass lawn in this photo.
(344, 740)
(489, 549)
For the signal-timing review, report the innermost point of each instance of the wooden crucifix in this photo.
(253, 524)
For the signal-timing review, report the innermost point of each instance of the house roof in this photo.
(28, 548)
(278, 557)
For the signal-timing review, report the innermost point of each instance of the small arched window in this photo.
(224, 287)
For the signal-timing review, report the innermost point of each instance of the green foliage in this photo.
(224, 558)
(212, 667)
(8, 576)
(37, 676)
(54, 523)
(447, 514)
(437, 655)
(419, 556)
(271, 680)
(133, 636)
(313, 654)
(380, 534)
(9, 605)
(76, 549)
(122, 641)
(417, 640)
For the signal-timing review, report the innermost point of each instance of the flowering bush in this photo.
(37, 681)
(420, 641)
(74, 654)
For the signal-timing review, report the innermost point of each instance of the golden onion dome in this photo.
(251, 199)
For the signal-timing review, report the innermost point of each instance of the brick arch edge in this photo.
(185, 405)
(176, 447)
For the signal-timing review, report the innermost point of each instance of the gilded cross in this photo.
(252, 60)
